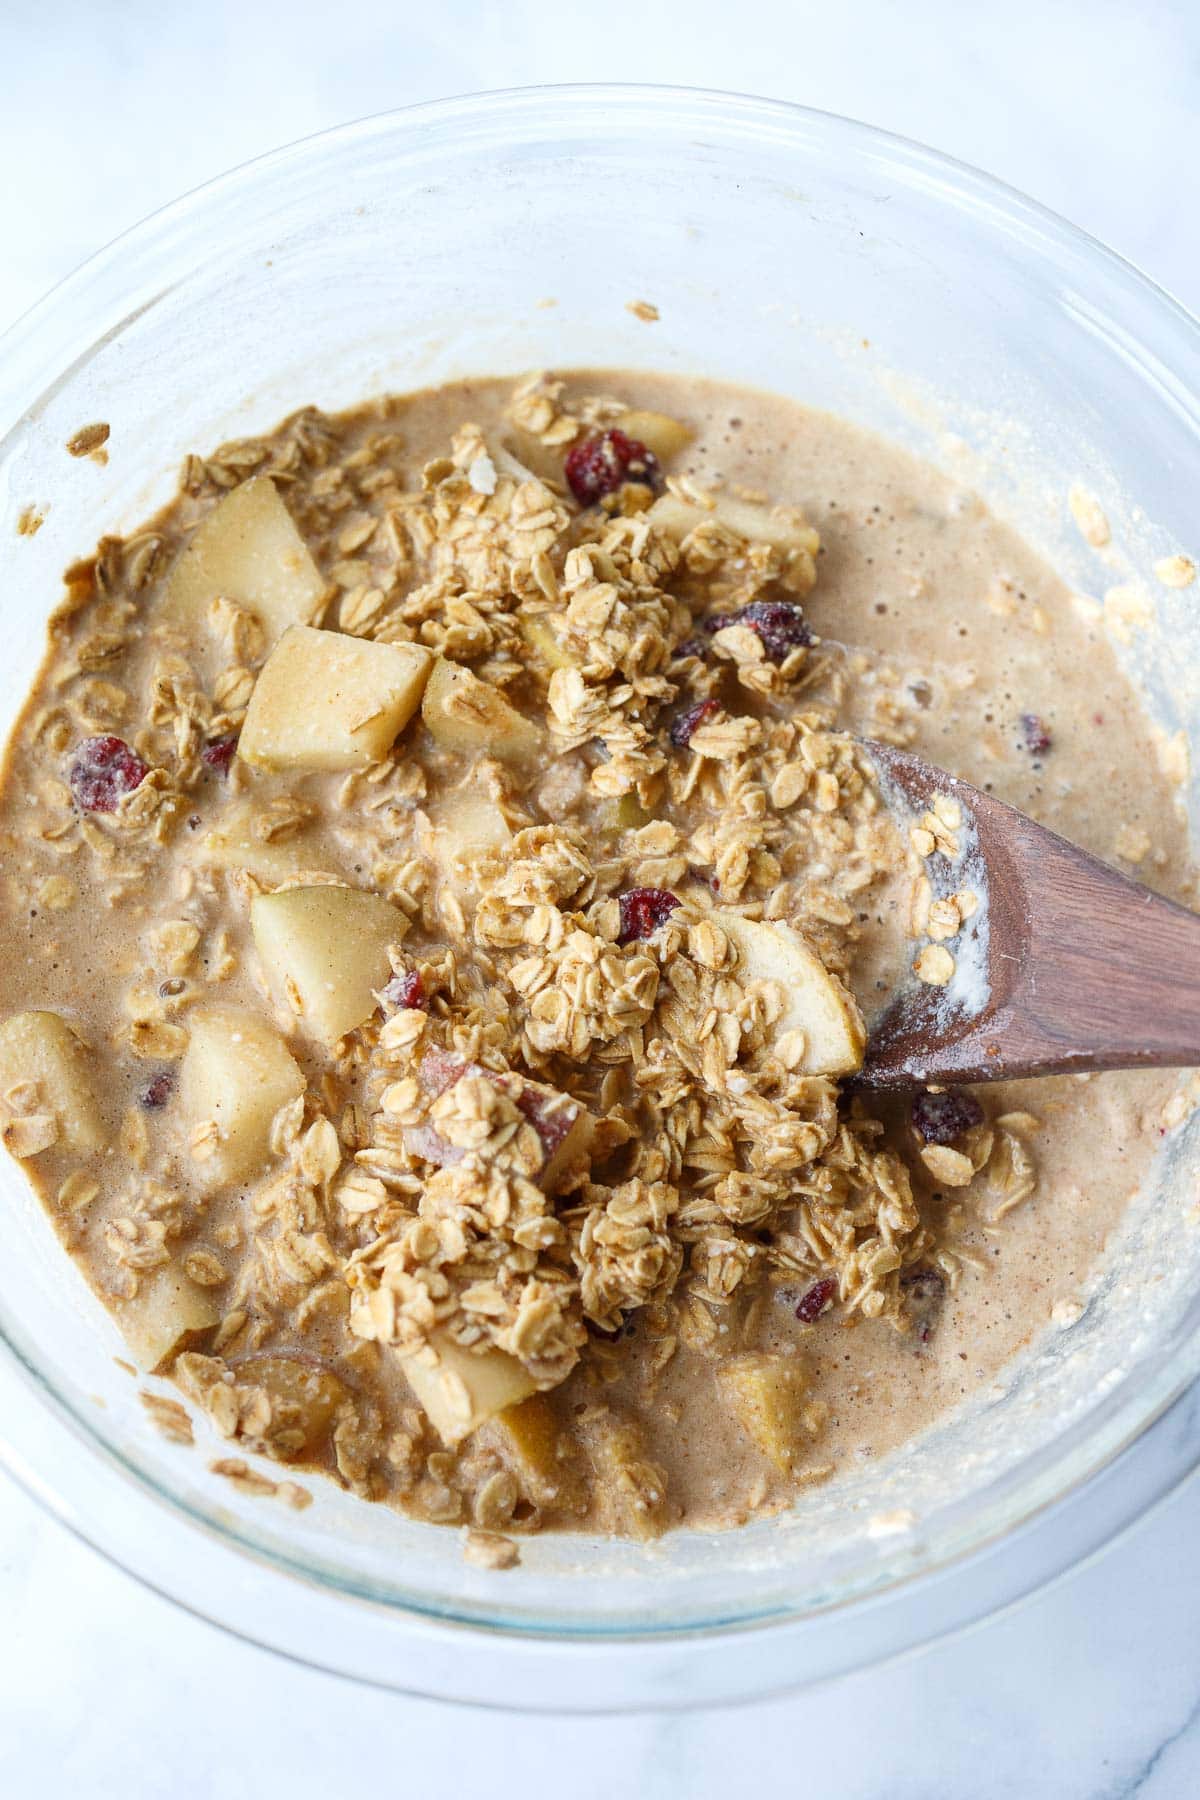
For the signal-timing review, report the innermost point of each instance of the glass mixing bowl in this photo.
(784, 249)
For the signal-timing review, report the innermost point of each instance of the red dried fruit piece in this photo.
(405, 992)
(103, 770)
(597, 466)
(780, 624)
(156, 1093)
(219, 754)
(819, 1296)
(551, 1116)
(1035, 733)
(683, 725)
(643, 910)
(924, 1291)
(941, 1118)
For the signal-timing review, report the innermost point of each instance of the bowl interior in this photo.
(786, 250)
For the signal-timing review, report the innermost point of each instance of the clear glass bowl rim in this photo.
(39, 352)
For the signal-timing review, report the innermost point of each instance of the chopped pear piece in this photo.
(539, 635)
(235, 843)
(538, 1450)
(784, 529)
(768, 1396)
(304, 1395)
(325, 952)
(631, 1489)
(625, 813)
(461, 1389)
(661, 434)
(520, 469)
(247, 549)
(815, 1002)
(41, 1048)
(464, 713)
(236, 1074)
(327, 701)
(564, 1127)
(465, 823)
(168, 1309)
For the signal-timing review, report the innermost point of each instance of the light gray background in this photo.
(1090, 1692)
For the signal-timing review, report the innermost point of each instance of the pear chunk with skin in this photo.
(325, 953)
(327, 701)
(246, 549)
(41, 1048)
(461, 1389)
(768, 1396)
(464, 713)
(236, 1074)
(815, 1002)
(166, 1311)
(663, 436)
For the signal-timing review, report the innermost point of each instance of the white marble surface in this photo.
(1089, 1692)
(111, 107)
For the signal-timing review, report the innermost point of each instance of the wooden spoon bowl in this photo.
(1085, 969)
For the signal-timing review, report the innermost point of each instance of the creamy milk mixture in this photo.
(410, 1257)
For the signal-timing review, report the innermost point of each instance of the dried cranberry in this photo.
(597, 466)
(219, 753)
(924, 1291)
(693, 646)
(156, 1093)
(683, 725)
(780, 624)
(405, 992)
(643, 910)
(941, 1118)
(813, 1304)
(1035, 733)
(103, 770)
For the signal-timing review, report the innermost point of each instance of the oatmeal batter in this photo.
(442, 896)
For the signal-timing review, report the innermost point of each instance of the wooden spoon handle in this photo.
(1086, 968)
(1111, 971)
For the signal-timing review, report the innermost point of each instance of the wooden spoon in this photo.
(1085, 969)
